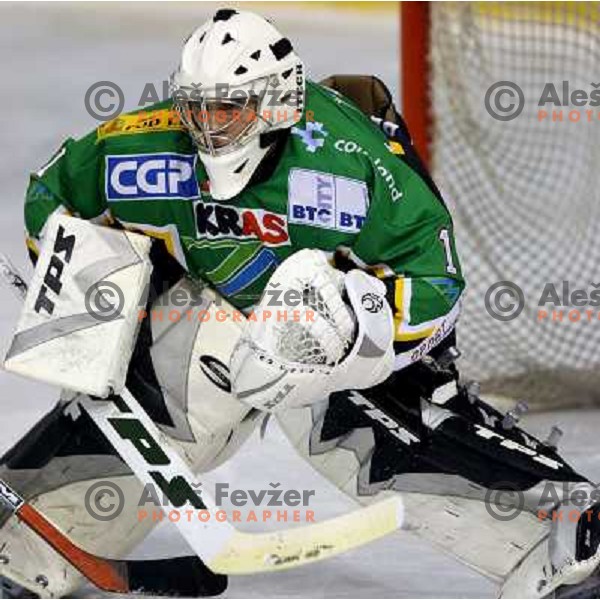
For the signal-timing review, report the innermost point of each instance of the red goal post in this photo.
(415, 73)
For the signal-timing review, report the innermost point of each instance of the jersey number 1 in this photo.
(444, 236)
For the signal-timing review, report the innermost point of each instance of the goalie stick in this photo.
(223, 548)
(184, 576)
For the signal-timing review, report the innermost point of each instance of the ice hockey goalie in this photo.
(311, 199)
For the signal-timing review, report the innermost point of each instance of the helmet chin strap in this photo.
(270, 137)
(275, 142)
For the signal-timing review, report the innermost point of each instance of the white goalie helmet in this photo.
(239, 81)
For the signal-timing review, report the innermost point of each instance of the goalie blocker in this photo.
(78, 324)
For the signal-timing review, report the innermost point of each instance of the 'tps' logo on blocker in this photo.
(151, 176)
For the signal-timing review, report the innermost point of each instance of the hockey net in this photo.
(524, 191)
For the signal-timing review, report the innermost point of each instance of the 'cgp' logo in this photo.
(151, 176)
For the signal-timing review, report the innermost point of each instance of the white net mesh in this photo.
(524, 192)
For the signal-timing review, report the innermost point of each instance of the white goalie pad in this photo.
(79, 320)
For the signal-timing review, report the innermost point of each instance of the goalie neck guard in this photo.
(239, 81)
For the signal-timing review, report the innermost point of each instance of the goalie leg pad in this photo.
(55, 466)
(441, 459)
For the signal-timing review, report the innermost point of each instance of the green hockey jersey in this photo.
(339, 185)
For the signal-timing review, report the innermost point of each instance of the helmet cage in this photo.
(222, 120)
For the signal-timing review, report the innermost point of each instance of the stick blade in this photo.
(185, 576)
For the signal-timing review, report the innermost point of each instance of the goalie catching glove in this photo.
(305, 342)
